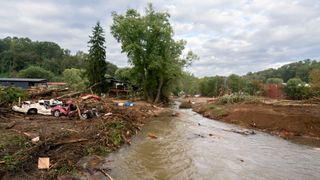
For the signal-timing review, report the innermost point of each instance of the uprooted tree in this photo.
(96, 67)
(155, 55)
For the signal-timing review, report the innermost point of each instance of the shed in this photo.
(22, 82)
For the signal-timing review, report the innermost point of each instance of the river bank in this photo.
(287, 119)
(66, 141)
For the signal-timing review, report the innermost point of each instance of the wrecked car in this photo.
(70, 110)
(29, 107)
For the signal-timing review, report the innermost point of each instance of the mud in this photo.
(291, 120)
(65, 140)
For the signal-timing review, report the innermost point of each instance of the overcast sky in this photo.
(229, 36)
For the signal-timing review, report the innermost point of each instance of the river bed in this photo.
(193, 147)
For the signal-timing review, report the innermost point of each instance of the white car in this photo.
(41, 107)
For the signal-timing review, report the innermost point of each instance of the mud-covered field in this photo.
(64, 140)
(288, 119)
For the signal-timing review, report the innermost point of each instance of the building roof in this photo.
(22, 80)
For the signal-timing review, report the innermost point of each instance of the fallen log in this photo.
(69, 142)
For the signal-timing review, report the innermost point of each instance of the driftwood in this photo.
(105, 173)
(69, 142)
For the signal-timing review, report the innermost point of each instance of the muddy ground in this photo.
(289, 119)
(65, 140)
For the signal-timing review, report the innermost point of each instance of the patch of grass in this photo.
(217, 110)
(97, 150)
(116, 137)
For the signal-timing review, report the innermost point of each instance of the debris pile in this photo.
(28, 136)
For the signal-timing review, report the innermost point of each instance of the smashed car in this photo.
(28, 107)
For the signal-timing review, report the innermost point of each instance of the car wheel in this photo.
(56, 113)
(32, 111)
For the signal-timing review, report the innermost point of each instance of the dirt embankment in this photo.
(286, 120)
(65, 140)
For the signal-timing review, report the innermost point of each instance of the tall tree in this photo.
(96, 67)
(155, 55)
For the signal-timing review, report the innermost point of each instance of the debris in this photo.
(152, 136)
(69, 95)
(241, 160)
(35, 140)
(199, 124)
(11, 125)
(43, 163)
(210, 134)
(105, 173)
(70, 141)
(108, 114)
(128, 104)
(243, 132)
(176, 114)
(90, 96)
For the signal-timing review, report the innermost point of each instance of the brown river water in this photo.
(185, 150)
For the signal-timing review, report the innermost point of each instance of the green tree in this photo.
(36, 72)
(75, 78)
(150, 47)
(314, 79)
(295, 89)
(96, 67)
(274, 81)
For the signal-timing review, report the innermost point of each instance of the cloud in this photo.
(229, 36)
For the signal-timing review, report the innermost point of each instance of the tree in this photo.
(274, 81)
(314, 79)
(96, 63)
(295, 89)
(36, 72)
(75, 78)
(154, 54)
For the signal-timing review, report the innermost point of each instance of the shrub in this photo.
(296, 89)
(36, 72)
(11, 94)
(236, 98)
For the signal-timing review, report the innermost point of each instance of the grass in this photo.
(217, 110)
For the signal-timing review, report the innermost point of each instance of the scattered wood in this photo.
(105, 173)
(70, 141)
(152, 136)
(11, 125)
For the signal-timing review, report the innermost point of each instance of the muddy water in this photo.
(185, 150)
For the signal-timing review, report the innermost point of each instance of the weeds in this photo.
(217, 110)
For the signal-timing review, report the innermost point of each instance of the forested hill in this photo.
(17, 54)
(300, 69)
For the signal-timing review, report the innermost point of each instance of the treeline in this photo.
(299, 80)
(22, 57)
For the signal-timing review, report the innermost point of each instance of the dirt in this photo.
(290, 120)
(65, 140)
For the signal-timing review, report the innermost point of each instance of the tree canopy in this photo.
(154, 54)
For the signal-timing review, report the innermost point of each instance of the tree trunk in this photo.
(159, 90)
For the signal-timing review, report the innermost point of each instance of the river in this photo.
(185, 150)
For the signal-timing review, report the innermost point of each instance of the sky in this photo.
(229, 36)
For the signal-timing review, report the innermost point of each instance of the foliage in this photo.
(75, 78)
(96, 63)
(188, 84)
(154, 54)
(11, 94)
(299, 69)
(274, 81)
(236, 98)
(19, 53)
(296, 89)
(213, 86)
(315, 81)
(36, 72)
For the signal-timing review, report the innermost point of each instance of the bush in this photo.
(236, 98)
(296, 89)
(36, 72)
(11, 94)
(75, 78)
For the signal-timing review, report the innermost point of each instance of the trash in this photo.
(119, 104)
(108, 114)
(43, 163)
(176, 114)
(152, 136)
(128, 104)
(35, 140)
